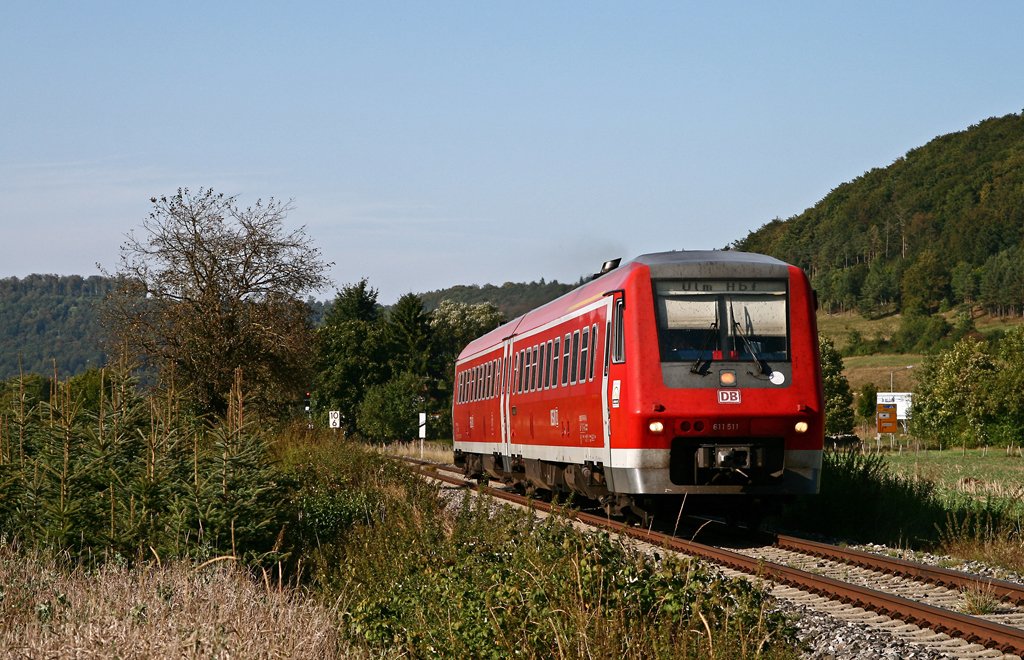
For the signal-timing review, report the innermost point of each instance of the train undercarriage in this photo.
(740, 480)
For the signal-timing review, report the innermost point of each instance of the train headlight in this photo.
(656, 426)
(727, 378)
(801, 427)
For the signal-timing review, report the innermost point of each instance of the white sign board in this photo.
(335, 418)
(902, 400)
(423, 425)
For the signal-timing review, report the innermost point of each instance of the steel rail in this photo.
(990, 634)
(1003, 590)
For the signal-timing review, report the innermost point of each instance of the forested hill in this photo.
(512, 298)
(941, 226)
(49, 317)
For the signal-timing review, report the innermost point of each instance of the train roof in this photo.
(712, 263)
(674, 264)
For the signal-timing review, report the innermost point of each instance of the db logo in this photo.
(729, 396)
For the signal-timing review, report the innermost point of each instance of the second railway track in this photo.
(895, 588)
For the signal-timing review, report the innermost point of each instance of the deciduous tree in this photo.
(838, 396)
(208, 286)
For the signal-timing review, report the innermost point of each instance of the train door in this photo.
(614, 354)
(506, 389)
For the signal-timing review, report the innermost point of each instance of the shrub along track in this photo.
(891, 587)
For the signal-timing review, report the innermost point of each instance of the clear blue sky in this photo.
(427, 144)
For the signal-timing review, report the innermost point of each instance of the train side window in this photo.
(458, 388)
(496, 369)
(575, 356)
(593, 350)
(476, 383)
(490, 380)
(584, 353)
(547, 365)
(554, 361)
(528, 385)
(529, 371)
(619, 340)
(499, 382)
(535, 383)
(542, 376)
(565, 360)
(607, 345)
(515, 375)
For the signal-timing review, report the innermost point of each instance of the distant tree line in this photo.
(511, 298)
(380, 369)
(50, 322)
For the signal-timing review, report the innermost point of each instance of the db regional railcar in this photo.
(687, 372)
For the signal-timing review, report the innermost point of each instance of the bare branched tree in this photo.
(207, 287)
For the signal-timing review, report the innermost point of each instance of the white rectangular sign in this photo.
(335, 418)
(423, 425)
(903, 401)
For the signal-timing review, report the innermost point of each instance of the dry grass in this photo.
(433, 451)
(981, 599)
(838, 327)
(176, 611)
(882, 370)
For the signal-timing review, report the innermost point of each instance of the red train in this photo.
(691, 372)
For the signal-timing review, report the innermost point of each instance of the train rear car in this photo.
(692, 372)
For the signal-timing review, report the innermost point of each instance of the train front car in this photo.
(720, 392)
(678, 373)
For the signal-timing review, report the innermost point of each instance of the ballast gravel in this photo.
(828, 638)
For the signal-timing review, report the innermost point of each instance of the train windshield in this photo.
(701, 321)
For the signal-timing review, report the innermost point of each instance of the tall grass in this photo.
(473, 579)
(863, 499)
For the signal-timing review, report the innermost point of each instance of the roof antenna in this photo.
(607, 266)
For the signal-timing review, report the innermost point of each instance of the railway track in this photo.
(914, 593)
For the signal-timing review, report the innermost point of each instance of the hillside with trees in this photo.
(512, 298)
(940, 227)
(47, 318)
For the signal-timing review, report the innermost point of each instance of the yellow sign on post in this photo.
(885, 418)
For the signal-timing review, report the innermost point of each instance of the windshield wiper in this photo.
(763, 367)
(701, 366)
